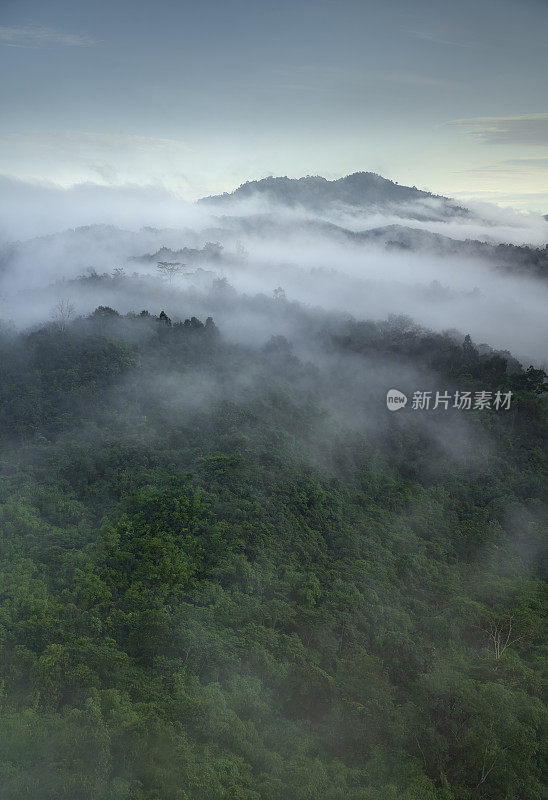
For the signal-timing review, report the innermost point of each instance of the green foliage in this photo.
(203, 599)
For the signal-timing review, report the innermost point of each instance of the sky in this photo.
(196, 98)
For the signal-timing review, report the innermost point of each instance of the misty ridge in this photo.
(301, 262)
(360, 245)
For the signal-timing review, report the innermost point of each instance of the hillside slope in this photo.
(228, 572)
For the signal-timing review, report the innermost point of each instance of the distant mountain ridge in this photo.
(360, 189)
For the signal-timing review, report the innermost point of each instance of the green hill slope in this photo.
(227, 574)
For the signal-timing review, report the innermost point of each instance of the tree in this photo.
(213, 250)
(470, 352)
(505, 629)
(168, 269)
(62, 312)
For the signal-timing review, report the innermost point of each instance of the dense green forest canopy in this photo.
(227, 572)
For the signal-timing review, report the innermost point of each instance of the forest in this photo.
(228, 572)
(273, 400)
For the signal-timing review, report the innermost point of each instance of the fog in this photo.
(261, 270)
(336, 258)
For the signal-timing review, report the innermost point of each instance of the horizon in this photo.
(503, 201)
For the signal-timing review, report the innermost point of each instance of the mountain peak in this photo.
(360, 189)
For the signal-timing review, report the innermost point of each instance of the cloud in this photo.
(529, 202)
(91, 140)
(513, 166)
(107, 172)
(31, 36)
(311, 77)
(35, 209)
(415, 79)
(439, 38)
(527, 129)
(68, 157)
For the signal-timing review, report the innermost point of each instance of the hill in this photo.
(228, 572)
(361, 189)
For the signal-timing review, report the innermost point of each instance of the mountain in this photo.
(359, 190)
